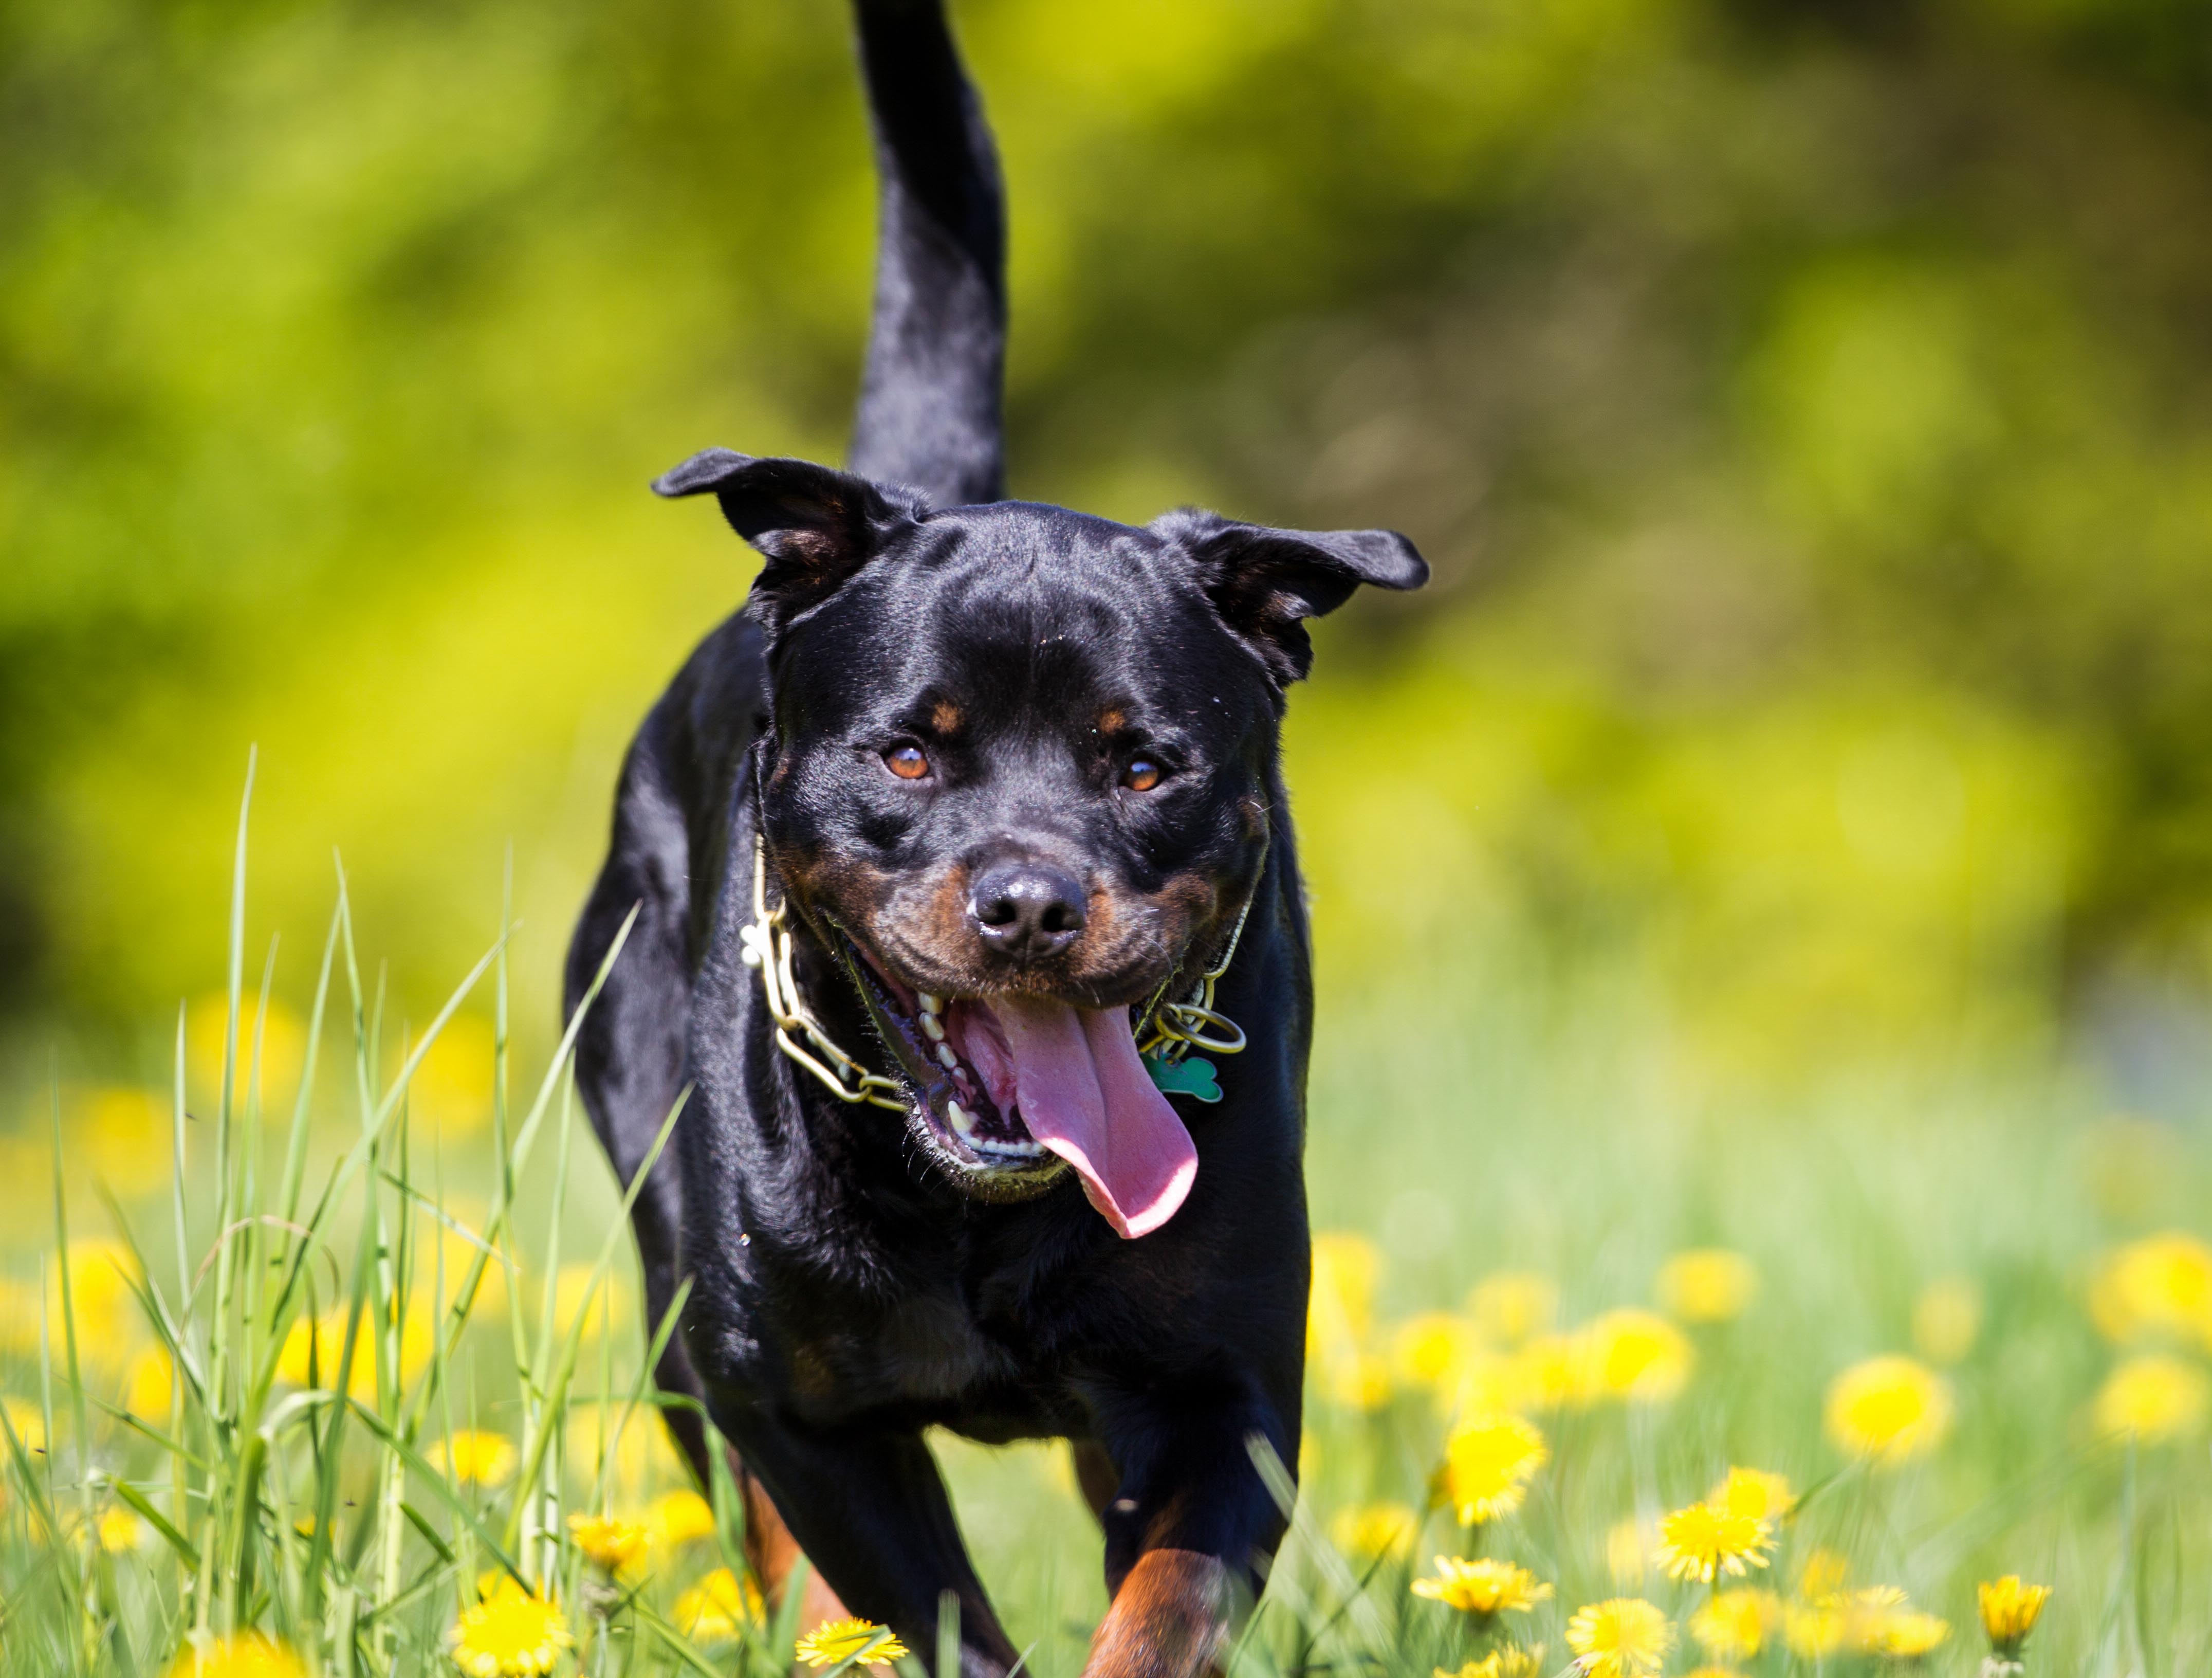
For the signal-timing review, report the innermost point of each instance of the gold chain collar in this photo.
(1166, 1032)
(767, 941)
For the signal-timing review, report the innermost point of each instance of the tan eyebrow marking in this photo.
(1111, 720)
(944, 717)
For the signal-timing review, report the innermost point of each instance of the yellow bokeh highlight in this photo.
(1435, 1348)
(1638, 1357)
(313, 1347)
(2155, 1398)
(110, 1322)
(1510, 1306)
(1888, 1410)
(717, 1607)
(150, 1385)
(283, 1039)
(451, 1089)
(2159, 1287)
(679, 1518)
(124, 1135)
(1756, 1493)
(1369, 1531)
(1946, 1319)
(1707, 1284)
(1736, 1625)
(250, 1654)
(1347, 1369)
(475, 1456)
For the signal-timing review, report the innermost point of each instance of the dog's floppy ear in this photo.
(815, 526)
(1264, 581)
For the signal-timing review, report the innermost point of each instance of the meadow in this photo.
(1760, 889)
(1614, 1366)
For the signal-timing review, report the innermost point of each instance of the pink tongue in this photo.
(1083, 1093)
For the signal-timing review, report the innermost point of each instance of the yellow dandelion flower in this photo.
(452, 1088)
(1735, 1624)
(2010, 1611)
(1558, 1371)
(1624, 1637)
(1946, 1319)
(715, 1609)
(1755, 1493)
(1483, 1589)
(1513, 1305)
(1483, 1382)
(510, 1635)
(1704, 1540)
(1910, 1637)
(835, 1640)
(1488, 1462)
(677, 1518)
(1376, 1530)
(283, 1039)
(1340, 1310)
(150, 1385)
(123, 1134)
(607, 1543)
(2155, 1398)
(1510, 1661)
(1821, 1574)
(474, 1457)
(250, 1656)
(120, 1530)
(1868, 1614)
(1638, 1355)
(1352, 1376)
(1888, 1409)
(1814, 1631)
(1707, 1284)
(1430, 1350)
(313, 1347)
(2159, 1286)
(108, 1316)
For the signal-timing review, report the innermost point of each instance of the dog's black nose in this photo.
(1027, 910)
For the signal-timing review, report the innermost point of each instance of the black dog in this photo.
(938, 851)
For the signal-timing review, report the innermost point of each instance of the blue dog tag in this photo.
(1193, 1075)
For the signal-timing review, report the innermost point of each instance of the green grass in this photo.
(1473, 1112)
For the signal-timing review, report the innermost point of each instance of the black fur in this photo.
(858, 1277)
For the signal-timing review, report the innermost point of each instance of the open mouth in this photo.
(942, 1045)
(1008, 1092)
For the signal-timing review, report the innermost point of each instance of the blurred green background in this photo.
(1787, 820)
(1805, 406)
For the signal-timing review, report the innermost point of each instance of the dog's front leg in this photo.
(1188, 1528)
(869, 1509)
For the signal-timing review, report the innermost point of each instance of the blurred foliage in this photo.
(1805, 405)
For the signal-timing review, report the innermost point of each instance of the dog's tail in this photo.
(930, 400)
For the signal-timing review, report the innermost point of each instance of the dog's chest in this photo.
(947, 1339)
(928, 1348)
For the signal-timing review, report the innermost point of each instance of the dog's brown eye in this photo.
(1141, 776)
(909, 762)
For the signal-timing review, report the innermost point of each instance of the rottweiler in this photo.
(965, 922)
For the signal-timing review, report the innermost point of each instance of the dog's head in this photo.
(1018, 774)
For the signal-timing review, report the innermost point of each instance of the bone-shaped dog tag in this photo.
(1193, 1075)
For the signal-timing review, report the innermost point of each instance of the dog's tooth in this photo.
(961, 1122)
(931, 1027)
(930, 1005)
(945, 1057)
